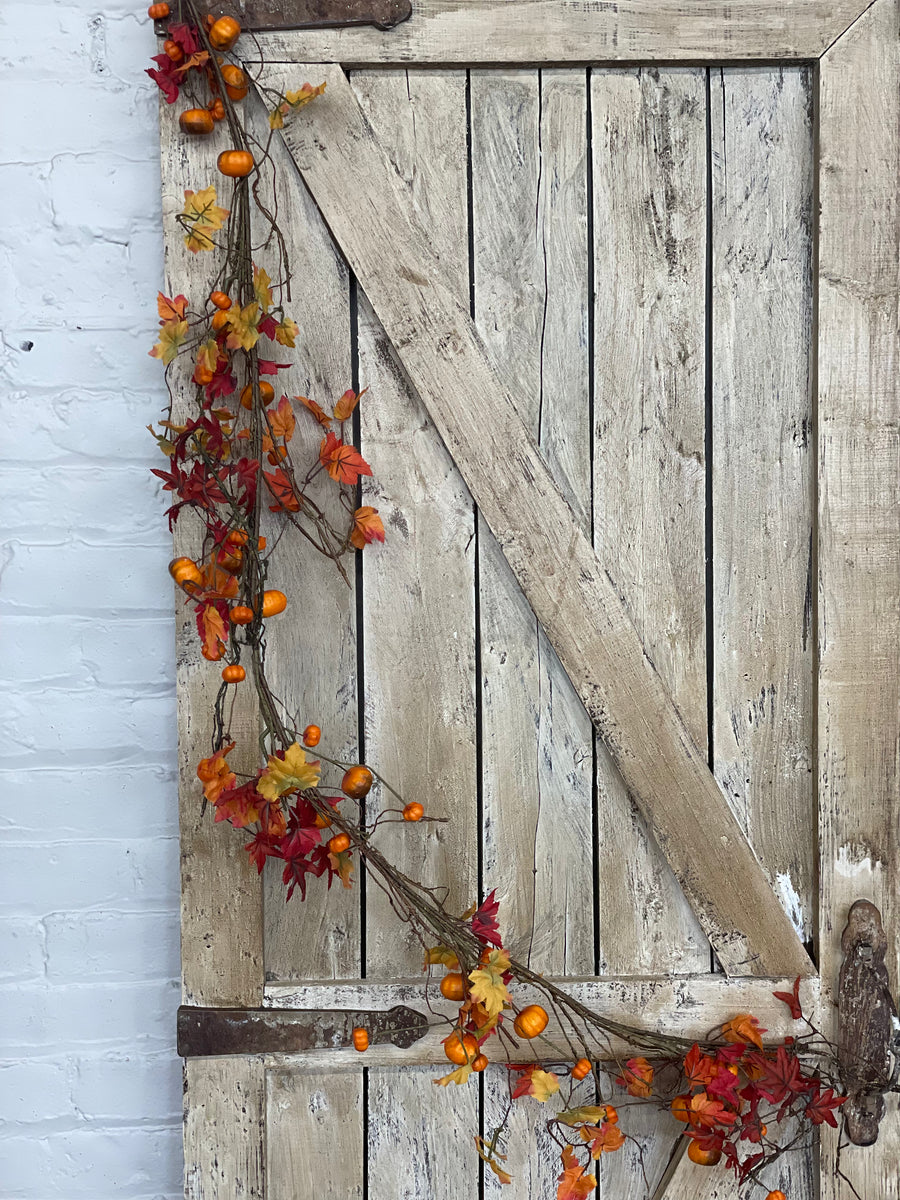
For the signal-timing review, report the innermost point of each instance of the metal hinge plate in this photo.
(260, 15)
(210, 1032)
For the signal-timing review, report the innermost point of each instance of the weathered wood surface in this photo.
(568, 588)
(419, 676)
(311, 651)
(315, 1129)
(529, 273)
(859, 536)
(469, 32)
(649, 188)
(224, 1129)
(221, 908)
(762, 486)
(418, 593)
(686, 1006)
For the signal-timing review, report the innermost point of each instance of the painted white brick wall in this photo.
(90, 1088)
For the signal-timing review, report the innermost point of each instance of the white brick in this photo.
(141, 802)
(131, 192)
(137, 1017)
(26, 201)
(34, 1091)
(78, 652)
(128, 1087)
(102, 120)
(85, 947)
(115, 504)
(89, 1163)
(21, 949)
(64, 424)
(80, 579)
(89, 874)
(99, 358)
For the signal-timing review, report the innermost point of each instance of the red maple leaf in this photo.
(282, 490)
(267, 367)
(484, 921)
(792, 999)
(781, 1078)
(822, 1105)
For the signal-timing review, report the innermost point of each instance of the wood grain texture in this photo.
(762, 495)
(221, 900)
(529, 181)
(224, 1129)
(419, 589)
(311, 650)
(859, 534)
(649, 185)
(568, 588)
(469, 32)
(315, 1130)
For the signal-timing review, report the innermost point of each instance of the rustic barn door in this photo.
(622, 283)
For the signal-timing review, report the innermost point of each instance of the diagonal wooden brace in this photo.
(373, 220)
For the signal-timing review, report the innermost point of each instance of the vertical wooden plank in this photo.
(859, 532)
(419, 641)
(529, 213)
(649, 185)
(649, 197)
(221, 909)
(314, 1132)
(224, 1129)
(762, 144)
(311, 650)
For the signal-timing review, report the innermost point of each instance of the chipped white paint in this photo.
(790, 902)
(854, 862)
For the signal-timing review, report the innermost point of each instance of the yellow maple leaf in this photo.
(489, 1154)
(171, 337)
(487, 982)
(261, 288)
(285, 774)
(460, 1075)
(437, 955)
(201, 216)
(544, 1084)
(243, 324)
(303, 95)
(286, 332)
(588, 1114)
(208, 355)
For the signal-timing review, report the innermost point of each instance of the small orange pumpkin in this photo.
(234, 673)
(413, 812)
(266, 393)
(213, 655)
(224, 33)
(360, 1039)
(582, 1069)
(241, 614)
(480, 1062)
(158, 12)
(703, 1158)
(221, 299)
(461, 1048)
(219, 320)
(196, 121)
(531, 1021)
(173, 50)
(236, 84)
(453, 987)
(339, 843)
(186, 574)
(237, 537)
(321, 821)
(357, 782)
(778, 1194)
(311, 735)
(235, 163)
(681, 1108)
(274, 602)
(217, 109)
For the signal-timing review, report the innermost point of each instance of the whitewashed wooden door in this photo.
(709, 369)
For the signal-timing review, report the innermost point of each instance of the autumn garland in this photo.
(735, 1096)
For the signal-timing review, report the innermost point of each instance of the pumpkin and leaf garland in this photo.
(231, 454)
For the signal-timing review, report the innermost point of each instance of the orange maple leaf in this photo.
(367, 527)
(343, 463)
(215, 774)
(171, 310)
(743, 1028)
(699, 1068)
(347, 403)
(213, 630)
(605, 1137)
(281, 419)
(317, 411)
(637, 1078)
(217, 582)
(708, 1113)
(574, 1184)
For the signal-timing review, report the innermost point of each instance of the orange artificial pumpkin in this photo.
(480, 1062)
(217, 109)
(196, 121)
(531, 1021)
(219, 320)
(681, 1108)
(224, 33)
(274, 602)
(453, 987)
(266, 393)
(582, 1069)
(778, 1194)
(339, 843)
(220, 299)
(241, 614)
(321, 821)
(186, 574)
(360, 1039)
(158, 12)
(703, 1158)
(237, 537)
(461, 1048)
(235, 163)
(213, 655)
(413, 812)
(357, 782)
(236, 84)
(230, 559)
(173, 50)
(311, 735)
(234, 674)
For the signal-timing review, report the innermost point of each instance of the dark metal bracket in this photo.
(868, 1043)
(261, 15)
(211, 1032)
